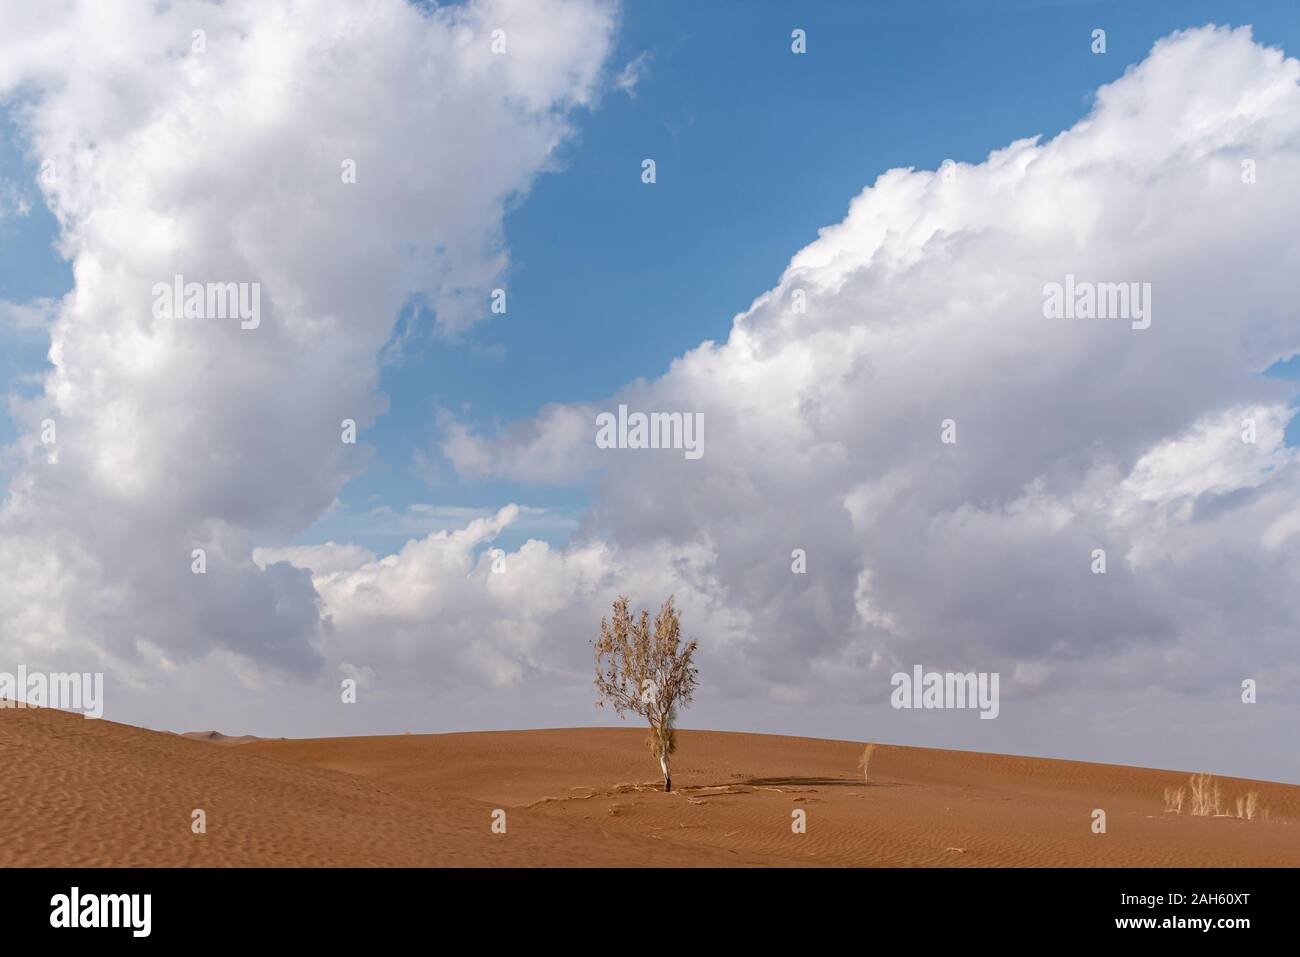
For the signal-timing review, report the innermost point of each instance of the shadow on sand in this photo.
(811, 782)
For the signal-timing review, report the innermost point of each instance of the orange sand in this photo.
(79, 792)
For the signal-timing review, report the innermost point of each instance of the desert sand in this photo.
(80, 792)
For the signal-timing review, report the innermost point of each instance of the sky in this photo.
(775, 172)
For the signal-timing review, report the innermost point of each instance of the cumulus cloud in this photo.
(555, 447)
(925, 304)
(455, 612)
(218, 142)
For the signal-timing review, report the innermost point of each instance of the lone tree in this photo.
(647, 674)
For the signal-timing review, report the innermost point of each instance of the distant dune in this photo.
(78, 792)
(216, 737)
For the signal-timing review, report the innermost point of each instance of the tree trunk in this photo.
(668, 778)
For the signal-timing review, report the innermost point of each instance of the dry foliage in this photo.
(1174, 798)
(1207, 800)
(1252, 805)
(864, 762)
(647, 672)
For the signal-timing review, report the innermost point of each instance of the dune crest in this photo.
(216, 737)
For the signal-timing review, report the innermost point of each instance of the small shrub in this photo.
(1205, 795)
(864, 762)
(1174, 798)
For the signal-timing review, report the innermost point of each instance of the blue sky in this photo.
(611, 279)
(756, 149)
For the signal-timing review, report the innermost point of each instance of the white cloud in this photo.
(633, 72)
(27, 317)
(227, 165)
(321, 560)
(925, 304)
(554, 448)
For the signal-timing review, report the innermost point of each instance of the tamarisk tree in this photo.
(647, 673)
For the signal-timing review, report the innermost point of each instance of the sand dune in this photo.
(216, 737)
(81, 792)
